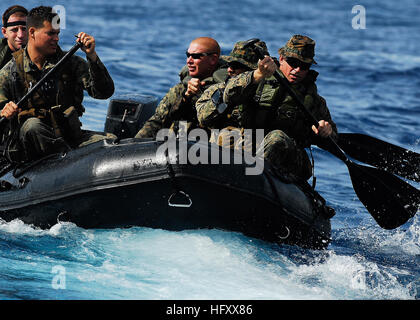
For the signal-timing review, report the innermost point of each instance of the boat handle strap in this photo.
(180, 205)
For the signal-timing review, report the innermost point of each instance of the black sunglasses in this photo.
(198, 55)
(296, 63)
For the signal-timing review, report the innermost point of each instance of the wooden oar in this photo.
(47, 75)
(381, 154)
(390, 200)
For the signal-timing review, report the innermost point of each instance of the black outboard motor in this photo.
(128, 113)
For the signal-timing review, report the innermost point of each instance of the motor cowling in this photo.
(128, 113)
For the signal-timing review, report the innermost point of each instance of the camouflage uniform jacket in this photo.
(175, 106)
(212, 112)
(77, 75)
(269, 106)
(5, 53)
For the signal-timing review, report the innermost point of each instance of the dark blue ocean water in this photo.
(370, 79)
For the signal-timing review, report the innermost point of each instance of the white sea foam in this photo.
(154, 264)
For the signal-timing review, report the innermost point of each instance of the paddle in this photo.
(47, 75)
(390, 200)
(381, 154)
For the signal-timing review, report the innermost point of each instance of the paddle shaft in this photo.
(46, 76)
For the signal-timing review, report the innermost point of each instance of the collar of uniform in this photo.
(309, 79)
(207, 81)
(50, 62)
(28, 65)
(218, 76)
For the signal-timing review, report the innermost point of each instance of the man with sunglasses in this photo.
(14, 32)
(268, 106)
(204, 69)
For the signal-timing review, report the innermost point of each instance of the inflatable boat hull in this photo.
(108, 185)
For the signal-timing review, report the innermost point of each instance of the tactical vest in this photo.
(218, 76)
(58, 101)
(273, 108)
(66, 93)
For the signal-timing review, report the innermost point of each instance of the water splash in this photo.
(142, 263)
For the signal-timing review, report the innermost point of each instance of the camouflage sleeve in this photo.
(207, 106)
(162, 117)
(5, 85)
(239, 89)
(94, 77)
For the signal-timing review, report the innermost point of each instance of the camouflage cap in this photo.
(246, 56)
(299, 47)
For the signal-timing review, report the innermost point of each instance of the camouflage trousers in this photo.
(37, 139)
(277, 147)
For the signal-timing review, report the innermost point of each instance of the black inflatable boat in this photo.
(127, 182)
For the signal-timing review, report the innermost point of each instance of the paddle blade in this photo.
(381, 154)
(390, 200)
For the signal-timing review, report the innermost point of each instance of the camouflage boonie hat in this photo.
(246, 56)
(299, 47)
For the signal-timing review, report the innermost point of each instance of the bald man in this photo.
(204, 69)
